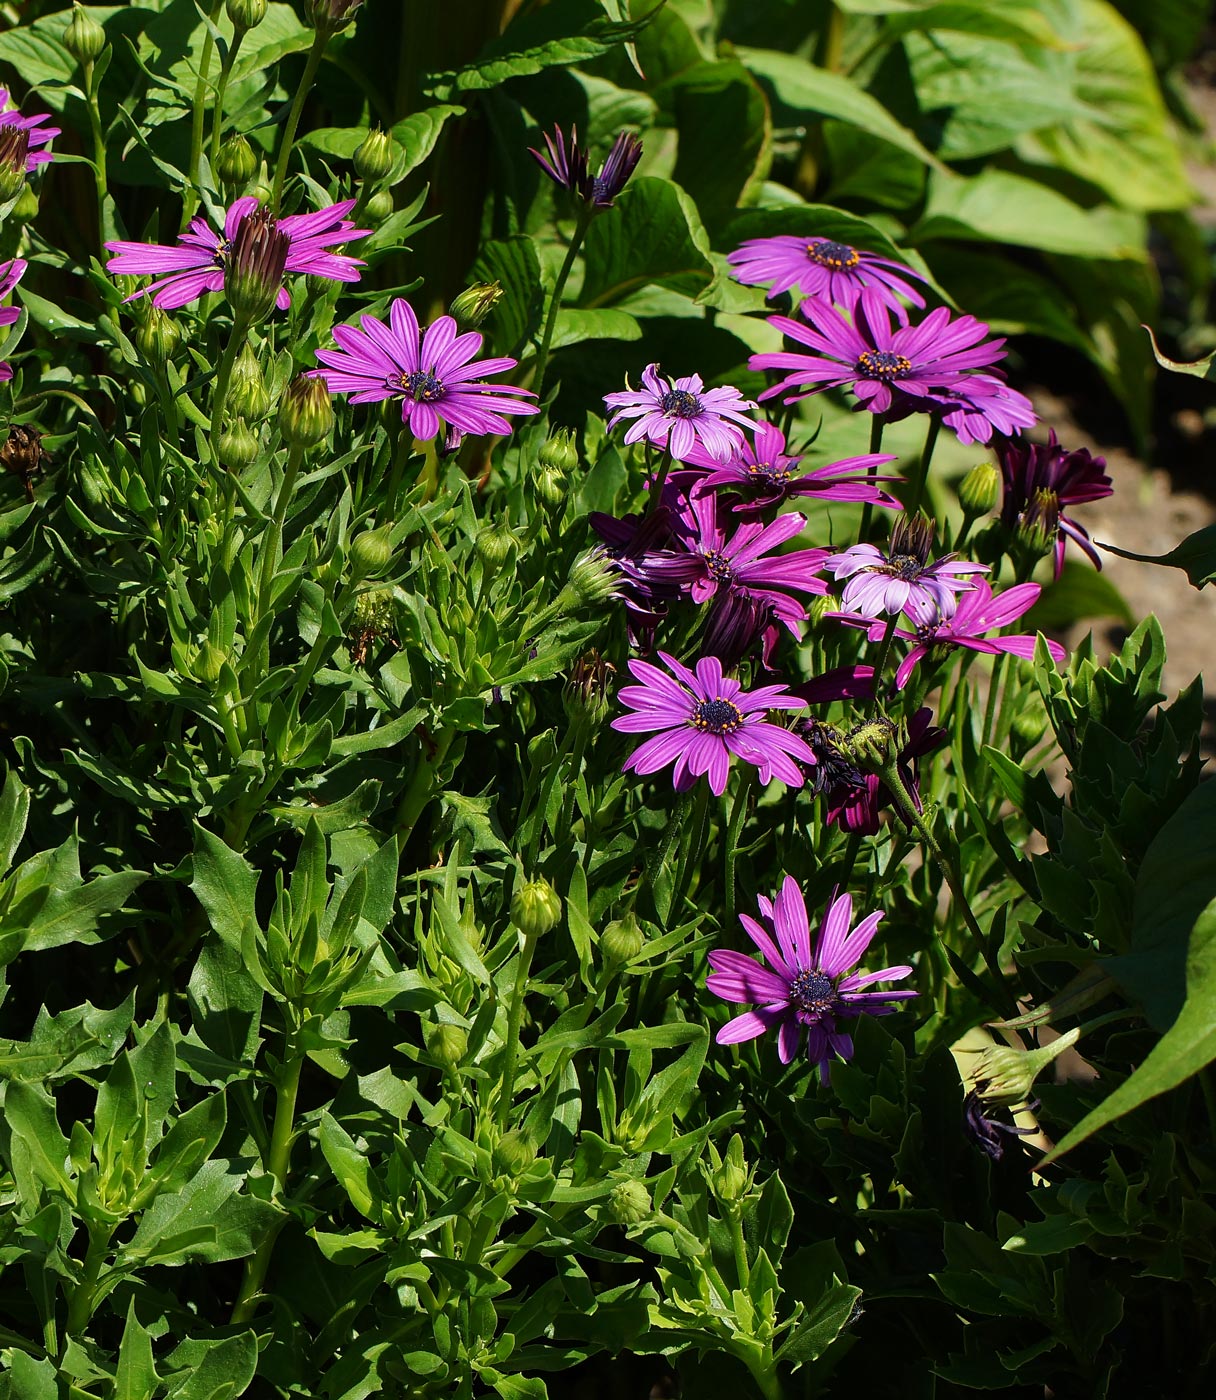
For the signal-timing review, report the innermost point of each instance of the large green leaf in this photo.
(725, 134)
(651, 236)
(226, 886)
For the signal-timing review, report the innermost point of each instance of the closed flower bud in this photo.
(622, 941)
(629, 1203)
(586, 693)
(236, 163)
(14, 151)
(209, 663)
(550, 486)
(447, 1044)
(978, 490)
(376, 156)
(248, 396)
(246, 14)
(380, 207)
(84, 38)
(1003, 1075)
(536, 907)
(731, 1178)
(1040, 523)
(475, 303)
(306, 411)
(870, 744)
(158, 337)
(253, 276)
(912, 536)
(559, 452)
(514, 1153)
(593, 578)
(239, 445)
(371, 551)
(494, 543)
(331, 15)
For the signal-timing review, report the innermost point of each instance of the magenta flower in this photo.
(1040, 478)
(900, 582)
(676, 416)
(197, 262)
(929, 368)
(434, 375)
(977, 611)
(821, 267)
(800, 987)
(10, 274)
(566, 164)
(703, 721)
(38, 136)
(764, 472)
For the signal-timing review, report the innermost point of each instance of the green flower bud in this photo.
(84, 38)
(536, 907)
(870, 744)
(820, 606)
(494, 543)
(253, 276)
(550, 486)
(239, 445)
(306, 412)
(622, 941)
(448, 1044)
(373, 612)
(236, 162)
(25, 211)
(475, 303)
(514, 1153)
(731, 1179)
(158, 337)
(376, 156)
(371, 551)
(586, 693)
(246, 14)
(248, 396)
(1040, 523)
(208, 663)
(978, 490)
(1003, 1075)
(559, 452)
(380, 206)
(629, 1203)
(593, 578)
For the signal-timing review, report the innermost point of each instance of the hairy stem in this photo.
(515, 1015)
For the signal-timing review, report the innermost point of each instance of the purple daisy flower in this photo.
(930, 367)
(196, 264)
(801, 987)
(566, 164)
(991, 1134)
(977, 611)
(704, 720)
(37, 136)
(10, 274)
(902, 580)
(764, 472)
(678, 415)
(1040, 479)
(821, 267)
(434, 375)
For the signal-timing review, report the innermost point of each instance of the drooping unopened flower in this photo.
(434, 375)
(976, 611)
(821, 267)
(678, 415)
(568, 166)
(803, 987)
(37, 137)
(253, 273)
(1041, 479)
(701, 721)
(992, 1135)
(197, 263)
(902, 579)
(928, 368)
(765, 474)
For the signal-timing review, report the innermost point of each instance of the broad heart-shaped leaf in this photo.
(226, 886)
(1196, 555)
(1123, 143)
(1176, 882)
(1186, 1048)
(652, 235)
(801, 87)
(725, 135)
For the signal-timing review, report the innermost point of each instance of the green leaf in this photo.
(418, 133)
(215, 1369)
(79, 1039)
(1196, 555)
(349, 1166)
(206, 1221)
(1186, 1048)
(825, 1322)
(135, 1378)
(226, 886)
(1200, 369)
(574, 325)
(651, 236)
(352, 810)
(14, 813)
(725, 135)
(513, 264)
(225, 1003)
(1079, 592)
(39, 1150)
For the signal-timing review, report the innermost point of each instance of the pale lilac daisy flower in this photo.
(703, 720)
(197, 262)
(434, 375)
(38, 136)
(902, 579)
(803, 987)
(821, 267)
(677, 415)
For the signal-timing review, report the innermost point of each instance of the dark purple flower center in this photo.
(718, 565)
(882, 364)
(833, 767)
(681, 403)
(901, 566)
(770, 471)
(223, 252)
(423, 386)
(716, 716)
(839, 257)
(813, 991)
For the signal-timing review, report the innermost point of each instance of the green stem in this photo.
(867, 510)
(99, 150)
(695, 848)
(217, 123)
(739, 1245)
(421, 788)
(884, 651)
(926, 456)
(274, 535)
(293, 119)
(81, 1307)
(405, 444)
(994, 688)
(223, 380)
(515, 1015)
(278, 1164)
(542, 355)
(656, 490)
(734, 826)
(190, 198)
